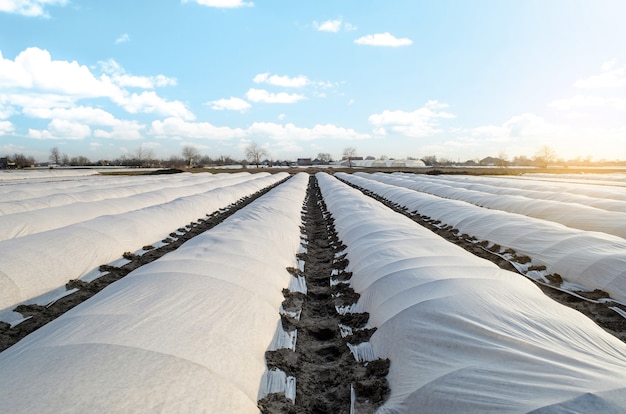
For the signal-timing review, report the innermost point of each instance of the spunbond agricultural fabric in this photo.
(29, 196)
(39, 263)
(186, 333)
(571, 214)
(34, 221)
(591, 259)
(462, 334)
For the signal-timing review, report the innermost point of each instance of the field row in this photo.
(190, 331)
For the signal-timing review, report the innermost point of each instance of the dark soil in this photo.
(599, 312)
(322, 364)
(41, 315)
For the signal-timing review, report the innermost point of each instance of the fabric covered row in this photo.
(610, 189)
(591, 259)
(56, 194)
(35, 221)
(463, 335)
(570, 214)
(186, 333)
(598, 196)
(47, 174)
(36, 264)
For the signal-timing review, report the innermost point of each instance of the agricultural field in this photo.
(313, 293)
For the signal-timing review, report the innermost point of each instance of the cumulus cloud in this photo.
(6, 127)
(419, 123)
(118, 76)
(122, 39)
(261, 95)
(178, 129)
(31, 8)
(292, 132)
(223, 4)
(611, 76)
(82, 114)
(36, 86)
(149, 102)
(383, 39)
(333, 26)
(284, 81)
(122, 130)
(230, 104)
(61, 129)
(34, 68)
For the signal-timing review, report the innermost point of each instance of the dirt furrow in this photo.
(328, 377)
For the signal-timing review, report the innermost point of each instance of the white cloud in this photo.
(383, 39)
(118, 75)
(178, 129)
(611, 77)
(291, 132)
(34, 68)
(29, 8)
(524, 134)
(578, 101)
(6, 127)
(82, 114)
(419, 123)
(122, 39)
(261, 95)
(122, 130)
(150, 102)
(230, 104)
(61, 129)
(6, 110)
(226, 4)
(13, 75)
(333, 26)
(328, 26)
(284, 81)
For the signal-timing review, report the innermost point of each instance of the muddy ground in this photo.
(323, 365)
(324, 368)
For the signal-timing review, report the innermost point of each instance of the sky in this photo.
(457, 79)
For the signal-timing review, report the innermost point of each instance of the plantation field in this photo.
(362, 292)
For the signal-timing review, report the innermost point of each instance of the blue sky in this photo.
(456, 79)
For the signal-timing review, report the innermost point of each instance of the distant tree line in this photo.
(256, 154)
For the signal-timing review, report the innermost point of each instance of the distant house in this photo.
(5, 163)
(304, 162)
(492, 161)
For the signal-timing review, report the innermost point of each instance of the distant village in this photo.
(191, 158)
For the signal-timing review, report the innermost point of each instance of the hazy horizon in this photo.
(455, 79)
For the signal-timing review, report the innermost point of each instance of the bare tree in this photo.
(144, 155)
(324, 157)
(55, 156)
(430, 160)
(254, 153)
(502, 159)
(544, 156)
(348, 154)
(190, 154)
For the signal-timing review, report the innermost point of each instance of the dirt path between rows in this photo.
(328, 377)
